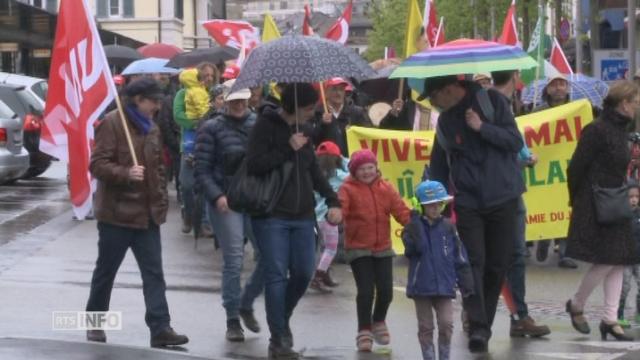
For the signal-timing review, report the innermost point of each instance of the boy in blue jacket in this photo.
(437, 262)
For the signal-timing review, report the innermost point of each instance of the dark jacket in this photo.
(119, 201)
(437, 259)
(601, 157)
(269, 148)
(484, 165)
(336, 131)
(220, 146)
(168, 127)
(268, 101)
(635, 231)
(404, 120)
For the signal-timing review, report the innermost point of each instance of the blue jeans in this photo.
(288, 253)
(113, 243)
(231, 229)
(516, 272)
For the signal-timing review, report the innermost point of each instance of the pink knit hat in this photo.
(360, 158)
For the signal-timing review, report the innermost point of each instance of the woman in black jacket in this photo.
(286, 236)
(601, 158)
(220, 146)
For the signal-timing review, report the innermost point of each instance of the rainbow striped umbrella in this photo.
(464, 56)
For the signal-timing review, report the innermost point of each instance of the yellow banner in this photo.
(551, 135)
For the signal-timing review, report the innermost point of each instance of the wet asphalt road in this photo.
(46, 260)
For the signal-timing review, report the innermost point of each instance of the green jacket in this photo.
(180, 116)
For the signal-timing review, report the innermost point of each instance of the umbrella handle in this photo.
(323, 97)
(400, 88)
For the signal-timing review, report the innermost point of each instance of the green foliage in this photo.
(389, 19)
(459, 16)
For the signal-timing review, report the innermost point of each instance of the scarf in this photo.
(142, 122)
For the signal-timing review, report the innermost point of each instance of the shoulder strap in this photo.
(442, 141)
(486, 106)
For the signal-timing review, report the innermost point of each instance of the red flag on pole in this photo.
(558, 59)
(230, 32)
(431, 25)
(306, 23)
(81, 88)
(509, 28)
(340, 30)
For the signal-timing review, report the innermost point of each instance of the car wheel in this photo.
(35, 171)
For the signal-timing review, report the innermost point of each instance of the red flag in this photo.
(340, 30)
(230, 32)
(558, 59)
(306, 23)
(81, 88)
(430, 24)
(509, 29)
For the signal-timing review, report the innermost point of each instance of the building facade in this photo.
(176, 22)
(289, 16)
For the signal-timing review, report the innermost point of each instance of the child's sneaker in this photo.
(364, 340)
(624, 323)
(381, 333)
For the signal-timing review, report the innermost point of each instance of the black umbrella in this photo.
(380, 88)
(194, 57)
(118, 55)
(300, 59)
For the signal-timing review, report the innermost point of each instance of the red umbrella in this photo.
(159, 50)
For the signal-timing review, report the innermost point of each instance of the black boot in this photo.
(168, 337)
(96, 336)
(234, 331)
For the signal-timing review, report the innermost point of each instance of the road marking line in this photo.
(581, 356)
(628, 346)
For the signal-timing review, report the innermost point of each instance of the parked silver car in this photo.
(14, 158)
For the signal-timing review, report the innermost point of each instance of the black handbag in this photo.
(612, 204)
(257, 194)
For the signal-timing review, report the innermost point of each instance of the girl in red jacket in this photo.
(368, 201)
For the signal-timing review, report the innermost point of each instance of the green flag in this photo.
(537, 49)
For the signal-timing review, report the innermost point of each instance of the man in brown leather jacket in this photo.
(130, 205)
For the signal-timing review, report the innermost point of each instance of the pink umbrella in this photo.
(159, 50)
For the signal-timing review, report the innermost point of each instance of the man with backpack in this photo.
(476, 153)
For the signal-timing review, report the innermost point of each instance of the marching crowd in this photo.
(465, 231)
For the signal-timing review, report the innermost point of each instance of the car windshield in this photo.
(40, 88)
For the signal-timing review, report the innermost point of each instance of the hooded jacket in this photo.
(366, 209)
(437, 259)
(196, 97)
(269, 148)
(483, 165)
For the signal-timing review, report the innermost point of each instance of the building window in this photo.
(179, 9)
(115, 8)
(49, 5)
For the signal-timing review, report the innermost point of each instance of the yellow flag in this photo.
(269, 29)
(414, 24)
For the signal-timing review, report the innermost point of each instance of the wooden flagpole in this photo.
(126, 130)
